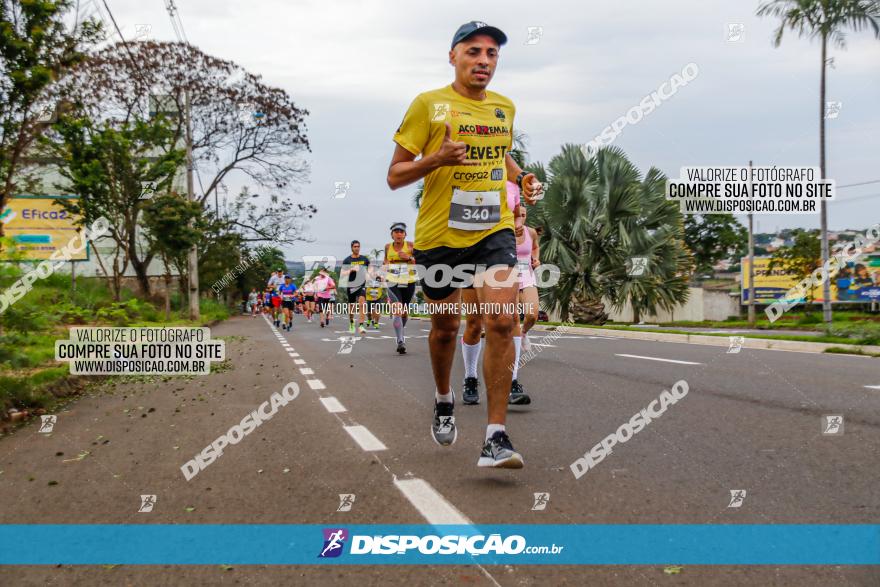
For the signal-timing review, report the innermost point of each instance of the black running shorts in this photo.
(354, 294)
(401, 293)
(499, 248)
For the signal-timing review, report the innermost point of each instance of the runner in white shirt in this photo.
(308, 288)
(276, 279)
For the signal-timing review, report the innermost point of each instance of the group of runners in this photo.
(472, 216)
(282, 298)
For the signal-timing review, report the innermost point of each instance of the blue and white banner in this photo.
(626, 544)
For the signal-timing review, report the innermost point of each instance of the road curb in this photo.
(749, 343)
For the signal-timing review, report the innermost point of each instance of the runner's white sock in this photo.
(444, 398)
(471, 354)
(492, 429)
(517, 345)
(398, 328)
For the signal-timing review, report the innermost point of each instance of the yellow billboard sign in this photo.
(858, 281)
(38, 227)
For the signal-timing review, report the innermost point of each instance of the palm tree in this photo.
(825, 19)
(596, 215)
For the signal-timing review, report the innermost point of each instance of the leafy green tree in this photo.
(107, 164)
(220, 250)
(240, 124)
(802, 257)
(36, 48)
(713, 238)
(173, 225)
(265, 260)
(597, 215)
(825, 20)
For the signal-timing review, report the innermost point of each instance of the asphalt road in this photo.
(752, 420)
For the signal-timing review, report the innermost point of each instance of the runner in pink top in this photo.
(324, 286)
(527, 260)
(308, 289)
(471, 338)
(526, 249)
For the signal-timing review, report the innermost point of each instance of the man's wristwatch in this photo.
(519, 179)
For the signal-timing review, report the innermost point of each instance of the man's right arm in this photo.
(406, 169)
(411, 138)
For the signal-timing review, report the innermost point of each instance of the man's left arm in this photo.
(530, 187)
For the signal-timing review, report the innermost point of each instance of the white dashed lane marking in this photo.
(365, 438)
(873, 386)
(427, 500)
(430, 503)
(657, 359)
(332, 405)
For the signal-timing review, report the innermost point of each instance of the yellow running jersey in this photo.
(399, 272)
(461, 204)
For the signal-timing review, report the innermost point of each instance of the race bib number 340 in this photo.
(474, 210)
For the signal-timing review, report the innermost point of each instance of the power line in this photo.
(849, 185)
(857, 198)
(134, 65)
(176, 22)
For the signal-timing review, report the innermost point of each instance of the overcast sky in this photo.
(356, 66)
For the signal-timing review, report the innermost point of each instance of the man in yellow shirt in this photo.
(462, 135)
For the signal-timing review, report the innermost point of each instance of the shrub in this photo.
(860, 332)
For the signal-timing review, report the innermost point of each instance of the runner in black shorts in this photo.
(324, 287)
(308, 293)
(287, 291)
(457, 138)
(354, 271)
(401, 278)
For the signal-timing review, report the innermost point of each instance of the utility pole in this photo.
(823, 206)
(192, 263)
(751, 260)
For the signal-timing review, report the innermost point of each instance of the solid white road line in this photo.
(332, 404)
(658, 359)
(306, 371)
(433, 506)
(365, 438)
(316, 384)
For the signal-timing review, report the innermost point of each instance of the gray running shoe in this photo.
(499, 453)
(518, 397)
(443, 429)
(470, 394)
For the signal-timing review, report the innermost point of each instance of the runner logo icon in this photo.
(541, 500)
(47, 423)
(440, 112)
(832, 424)
(346, 500)
(737, 496)
(334, 542)
(147, 503)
